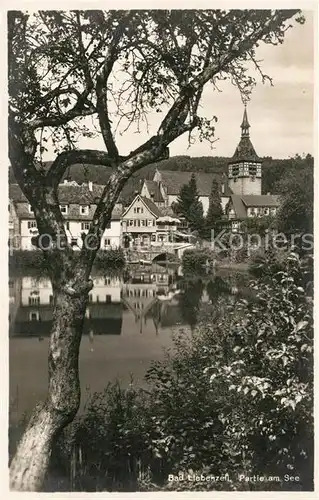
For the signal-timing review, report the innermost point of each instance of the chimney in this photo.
(90, 184)
(136, 192)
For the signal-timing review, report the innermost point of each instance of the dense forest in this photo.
(274, 171)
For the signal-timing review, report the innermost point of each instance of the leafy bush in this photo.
(112, 441)
(194, 261)
(235, 397)
(22, 260)
(110, 258)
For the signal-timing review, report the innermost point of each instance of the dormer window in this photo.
(84, 209)
(64, 209)
(30, 209)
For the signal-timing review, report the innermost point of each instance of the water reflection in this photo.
(157, 293)
(130, 318)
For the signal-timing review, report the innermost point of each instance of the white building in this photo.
(170, 183)
(77, 204)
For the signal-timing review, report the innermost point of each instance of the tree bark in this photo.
(31, 461)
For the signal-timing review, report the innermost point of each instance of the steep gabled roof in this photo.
(67, 193)
(174, 180)
(149, 204)
(70, 194)
(238, 206)
(153, 188)
(241, 203)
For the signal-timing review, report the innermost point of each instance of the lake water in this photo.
(129, 322)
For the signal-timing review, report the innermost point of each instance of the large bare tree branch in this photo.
(101, 88)
(67, 158)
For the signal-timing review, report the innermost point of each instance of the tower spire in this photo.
(245, 124)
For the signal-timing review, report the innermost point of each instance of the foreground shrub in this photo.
(110, 258)
(236, 397)
(197, 260)
(34, 261)
(22, 260)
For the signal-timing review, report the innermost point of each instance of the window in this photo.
(142, 223)
(150, 222)
(51, 299)
(64, 209)
(30, 209)
(252, 211)
(97, 298)
(266, 211)
(154, 237)
(252, 170)
(31, 224)
(107, 242)
(108, 298)
(34, 316)
(107, 281)
(138, 210)
(67, 226)
(90, 298)
(235, 170)
(130, 222)
(34, 301)
(84, 209)
(74, 242)
(85, 226)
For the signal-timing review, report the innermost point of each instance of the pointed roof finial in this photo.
(245, 123)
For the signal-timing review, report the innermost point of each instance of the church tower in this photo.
(244, 169)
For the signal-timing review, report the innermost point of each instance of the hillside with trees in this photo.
(274, 171)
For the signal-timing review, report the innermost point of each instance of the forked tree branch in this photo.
(101, 89)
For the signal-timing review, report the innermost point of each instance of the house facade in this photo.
(171, 182)
(77, 204)
(145, 224)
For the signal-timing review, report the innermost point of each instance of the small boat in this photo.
(145, 262)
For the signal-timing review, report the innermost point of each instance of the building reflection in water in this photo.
(149, 293)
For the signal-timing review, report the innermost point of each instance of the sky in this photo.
(281, 116)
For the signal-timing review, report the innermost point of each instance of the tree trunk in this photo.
(31, 461)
